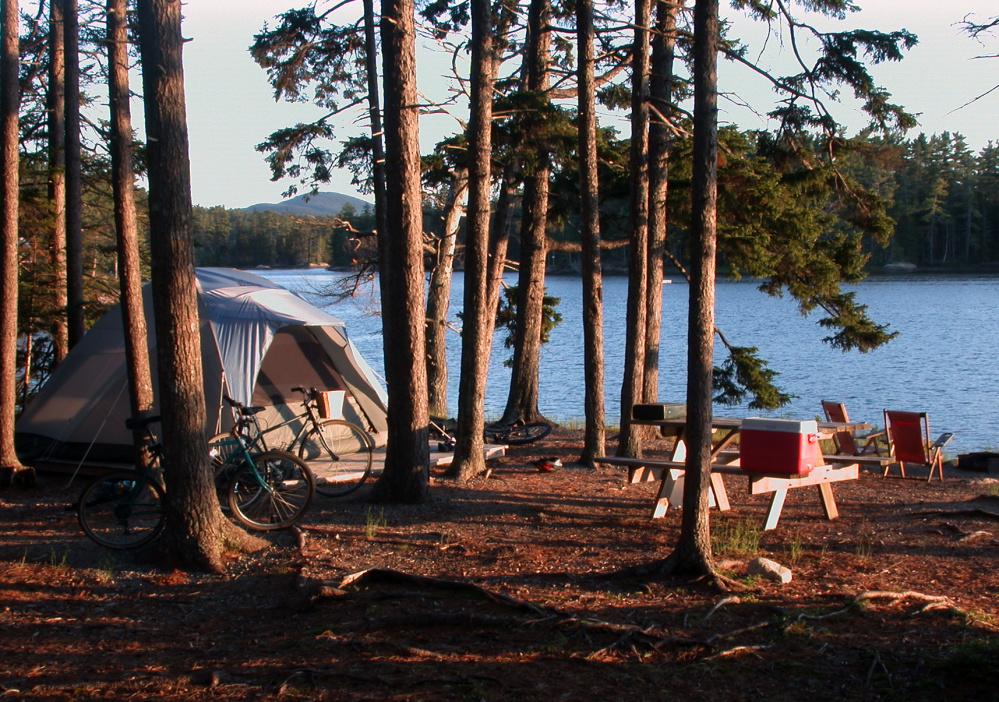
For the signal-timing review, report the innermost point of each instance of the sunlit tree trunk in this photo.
(693, 549)
(74, 171)
(439, 295)
(661, 96)
(196, 529)
(11, 469)
(629, 443)
(57, 177)
(477, 322)
(407, 472)
(122, 186)
(374, 114)
(593, 363)
(522, 400)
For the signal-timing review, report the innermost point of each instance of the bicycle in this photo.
(340, 451)
(265, 489)
(125, 508)
(515, 433)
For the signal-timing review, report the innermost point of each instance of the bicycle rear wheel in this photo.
(272, 493)
(340, 453)
(122, 509)
(524, 434)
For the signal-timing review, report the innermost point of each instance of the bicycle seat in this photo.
(249, 411)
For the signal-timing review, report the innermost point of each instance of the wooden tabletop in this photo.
(736, 423)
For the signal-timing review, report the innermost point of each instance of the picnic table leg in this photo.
(670, 489)
(718, 488)
(828, 501)
(776, 505)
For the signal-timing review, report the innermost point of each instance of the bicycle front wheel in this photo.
(271, 490)
(122, 509)
(525, 433)
(340, 453)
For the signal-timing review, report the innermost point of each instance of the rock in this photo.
(771, 570)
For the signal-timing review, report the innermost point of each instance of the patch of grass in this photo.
(107, 569)
(373, 522)
(992, 489)
(58, 561)
(795, 549)
(739, 537)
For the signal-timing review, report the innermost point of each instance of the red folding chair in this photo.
(909, 440)
(847, 442)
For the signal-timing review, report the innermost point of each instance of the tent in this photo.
(258, 340)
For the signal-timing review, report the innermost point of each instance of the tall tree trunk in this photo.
(660, 126)
(477, 324)
(693, 549)
(74, 175)
(629, 443)
(407, 472)
(11, 469)
(374, 114)
(593, 364)
(140, 382)
(57, 177)
(522, 400)
(439, 295)
(196, 530)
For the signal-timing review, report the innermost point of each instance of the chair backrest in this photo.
(836, 412)
(908, 434)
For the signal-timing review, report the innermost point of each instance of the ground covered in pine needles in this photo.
(502, 589)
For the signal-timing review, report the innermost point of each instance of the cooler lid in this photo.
(794, 426)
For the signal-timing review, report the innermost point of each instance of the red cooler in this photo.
(779, 445)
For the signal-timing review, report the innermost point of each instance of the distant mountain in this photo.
(318, 205)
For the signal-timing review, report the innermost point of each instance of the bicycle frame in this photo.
(309, 419)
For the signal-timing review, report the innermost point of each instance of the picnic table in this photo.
(725, 461)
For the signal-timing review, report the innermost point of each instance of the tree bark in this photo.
(522, 400)
(140, 383)
(74, 171)
(57, 177)
(407, 472)
(439, 295)
(593, 365)
(477, 323)
(660, 126)
(11, 469)
(196, 530)
(693, 549)
(629, 443)
(374, 114)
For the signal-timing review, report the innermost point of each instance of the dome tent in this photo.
(258, 340)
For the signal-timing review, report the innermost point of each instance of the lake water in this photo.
(942, 362)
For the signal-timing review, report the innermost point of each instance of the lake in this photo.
(942, 362)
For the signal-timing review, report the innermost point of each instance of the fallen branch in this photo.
(731, 599)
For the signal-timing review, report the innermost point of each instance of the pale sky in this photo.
(231, 107)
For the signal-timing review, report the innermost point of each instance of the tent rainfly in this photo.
(258, 340)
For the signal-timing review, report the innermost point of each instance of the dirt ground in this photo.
(502, 590)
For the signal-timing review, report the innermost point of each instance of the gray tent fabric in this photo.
(258, 340)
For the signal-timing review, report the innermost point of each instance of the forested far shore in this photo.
(941, 199)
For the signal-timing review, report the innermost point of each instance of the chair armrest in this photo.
(942, 440)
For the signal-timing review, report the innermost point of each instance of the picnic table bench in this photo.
(670, 474)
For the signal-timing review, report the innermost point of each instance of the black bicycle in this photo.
(515, 433)
(125, 508)
(338, 451)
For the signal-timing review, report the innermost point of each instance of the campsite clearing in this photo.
(894, 600)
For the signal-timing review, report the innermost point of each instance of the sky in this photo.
(231, 108)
